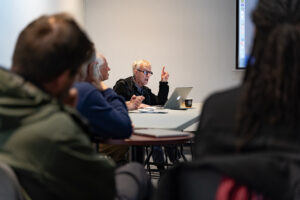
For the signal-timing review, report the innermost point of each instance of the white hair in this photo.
(138, 63)
(84, 68)
(96, 68)
(98, 62)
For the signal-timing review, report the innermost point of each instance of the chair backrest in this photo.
(10, 188)
(188, 181)
(185, 182)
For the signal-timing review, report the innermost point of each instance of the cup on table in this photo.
(188, 103)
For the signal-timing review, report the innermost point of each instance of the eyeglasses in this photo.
(145, 72)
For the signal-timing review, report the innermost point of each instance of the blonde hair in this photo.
(140, 63)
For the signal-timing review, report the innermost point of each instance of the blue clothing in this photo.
(105, 110)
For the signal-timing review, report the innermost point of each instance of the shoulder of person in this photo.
(222, 98)
(84, 86)
(120, 82)
(84, 89)
(65, 119)
(127, 81)
(78, 120)
(55, 122)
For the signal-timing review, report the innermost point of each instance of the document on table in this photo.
(152, 110)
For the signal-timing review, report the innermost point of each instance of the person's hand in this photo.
(101, 86)
(71, 98)
(134, 102)
(143, 106)
(137, 100)
(164, 75)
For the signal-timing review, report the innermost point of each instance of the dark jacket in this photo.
(269, 162)
(127, 88)
(48, 147)
(105, 110)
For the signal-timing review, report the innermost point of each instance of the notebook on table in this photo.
(153, 132)
(154, 109)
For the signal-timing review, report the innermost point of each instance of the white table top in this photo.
(173, 119)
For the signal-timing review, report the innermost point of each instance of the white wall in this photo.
(195, 39)
(16, 14)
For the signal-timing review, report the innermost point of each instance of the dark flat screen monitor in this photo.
(245, 31)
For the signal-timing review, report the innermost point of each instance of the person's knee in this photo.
(134, 168)
(138, 184)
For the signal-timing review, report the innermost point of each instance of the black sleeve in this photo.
(163, 93)
(122, 89)
(162, 96)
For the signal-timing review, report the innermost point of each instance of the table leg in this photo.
(138, 154)
(182, 154)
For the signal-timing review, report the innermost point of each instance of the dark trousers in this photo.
(171, 150)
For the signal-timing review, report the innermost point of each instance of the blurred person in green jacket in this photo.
(44, 140)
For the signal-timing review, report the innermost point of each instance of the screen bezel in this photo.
(237, 60)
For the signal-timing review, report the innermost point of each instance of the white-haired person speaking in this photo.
(136, 86)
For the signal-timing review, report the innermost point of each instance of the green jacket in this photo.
(47, 145)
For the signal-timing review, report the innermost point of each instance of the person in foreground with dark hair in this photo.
(252, 133)
(45, 141)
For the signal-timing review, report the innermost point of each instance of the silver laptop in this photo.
(177, 98)
(160, 132)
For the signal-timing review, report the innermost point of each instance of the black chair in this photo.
(10, 188)
(196, 182)
(187, 182)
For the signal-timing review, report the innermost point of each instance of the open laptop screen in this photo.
(177, 97)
